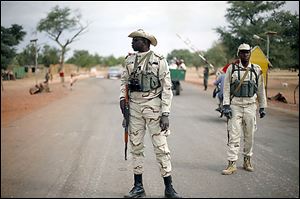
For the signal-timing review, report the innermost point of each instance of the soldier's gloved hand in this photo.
(164, 122)
(262, 112)
(227, 111)
(122, 105)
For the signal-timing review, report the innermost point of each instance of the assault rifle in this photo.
(126, 119)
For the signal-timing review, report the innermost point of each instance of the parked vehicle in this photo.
(114, 72)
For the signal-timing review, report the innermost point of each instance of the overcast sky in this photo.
(111, 22)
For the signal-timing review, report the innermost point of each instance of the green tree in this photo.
(58, 22)
(120, 60)
(217, 55)
(49, 55)
(27, 56)
(82, 58)
(10, 37)
(98, 59)
(284, 46)
(110, 61)
(184, 54)
(247, 18)
(190, 59)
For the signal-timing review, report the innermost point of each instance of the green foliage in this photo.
(27, 56)
(10, 37)
(82, 58)
(189, 58)
(110, 61)
(217, 55)
(247, 18)
(59, 21)
(49, 55)
(284, 47)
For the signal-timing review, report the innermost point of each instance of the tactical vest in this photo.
(144, 80)
(248, 88)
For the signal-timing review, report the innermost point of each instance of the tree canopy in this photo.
(248, 18)
(10, 37)
(49, 55)
(83, 58)
(58, 22)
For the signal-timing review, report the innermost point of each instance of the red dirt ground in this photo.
(16, 100)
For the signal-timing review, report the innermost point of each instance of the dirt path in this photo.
(16, 100)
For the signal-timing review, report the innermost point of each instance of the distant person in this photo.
(243, 84)
(180, 64)
(47, 76)
(62, 77)
(219, 83)
(73, 79)
(50, 73)
(205, 77)
(173, 63)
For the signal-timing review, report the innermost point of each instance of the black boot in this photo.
(169, 190)
(138, 190)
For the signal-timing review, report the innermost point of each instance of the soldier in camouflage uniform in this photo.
(239, 105)
(148, 78)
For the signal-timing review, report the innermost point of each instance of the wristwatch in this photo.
(165, 114)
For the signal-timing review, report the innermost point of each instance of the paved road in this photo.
(74, 148)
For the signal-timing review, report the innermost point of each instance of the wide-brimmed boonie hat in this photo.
(142, 33)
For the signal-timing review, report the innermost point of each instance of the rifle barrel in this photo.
(126, 115)
(126, 151)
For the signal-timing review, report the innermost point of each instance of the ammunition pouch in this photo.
(149, 81)
(143, 82)
(247, 89)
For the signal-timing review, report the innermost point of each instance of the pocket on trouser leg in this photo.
(229, 129)
(151, 112)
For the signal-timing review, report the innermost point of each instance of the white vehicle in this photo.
(114, 72)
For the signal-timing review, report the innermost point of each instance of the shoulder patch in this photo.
(159, 56)
(129, 54)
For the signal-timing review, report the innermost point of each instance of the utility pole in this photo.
(268, 33)
(35, 57)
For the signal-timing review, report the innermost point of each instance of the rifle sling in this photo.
(136, 63)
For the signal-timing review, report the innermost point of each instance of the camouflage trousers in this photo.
(145, 117)
(242, 123)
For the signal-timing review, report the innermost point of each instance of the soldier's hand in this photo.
(164, 123)
(262, 112)
(122, 105)
(227, 111)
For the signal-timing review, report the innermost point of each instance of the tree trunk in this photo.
(61, 67)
